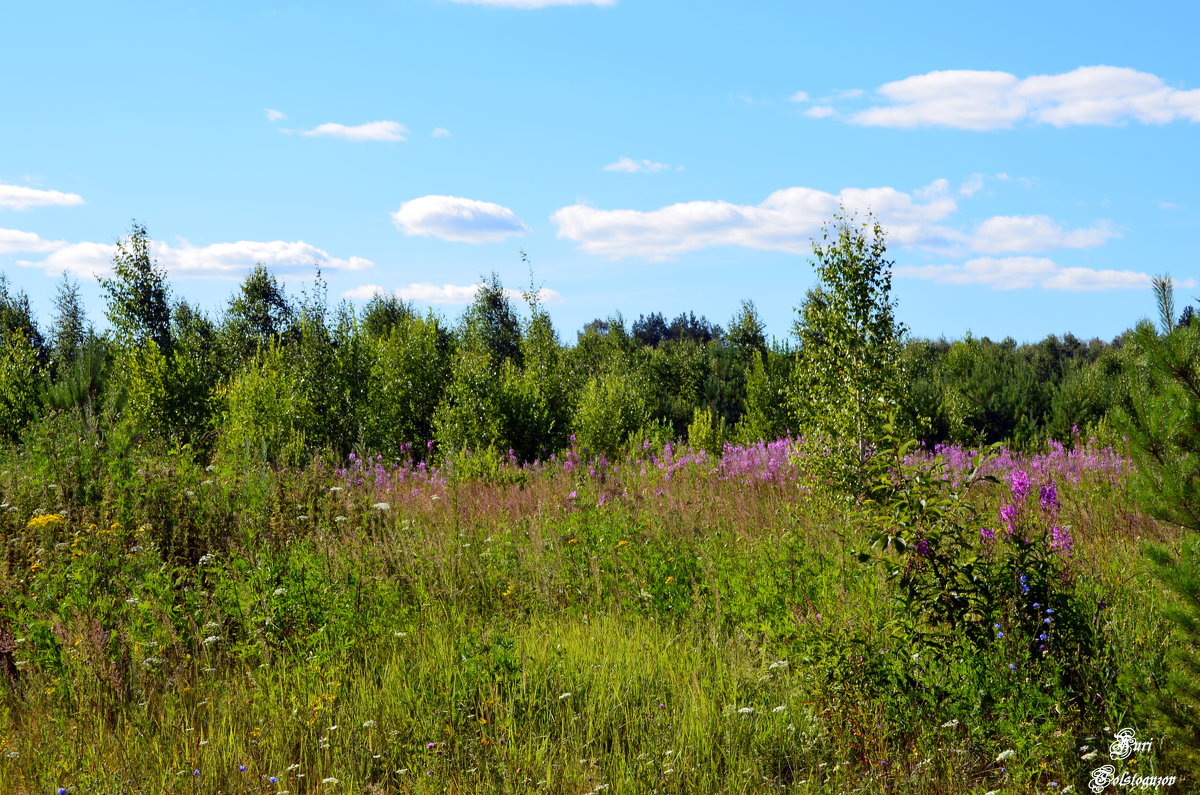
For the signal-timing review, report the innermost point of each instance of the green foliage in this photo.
(257, 316)
(706, 431)
(1161, 418)
(410, 369)
(138, 295)
(21, 377)
(266, 415)
(989, 599)
(847, 375)
(1177, 697)
(70, 330)
(612, 408)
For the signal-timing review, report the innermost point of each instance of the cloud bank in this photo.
(976, 100)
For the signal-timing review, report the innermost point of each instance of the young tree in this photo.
(847, 377)
(139, 305)
(70, 329)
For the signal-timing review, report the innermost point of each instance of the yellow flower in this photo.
(47, 521)
(670, 580)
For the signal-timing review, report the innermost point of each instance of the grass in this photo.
(538, 630)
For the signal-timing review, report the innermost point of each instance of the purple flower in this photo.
(1008, 515)
(1049, 498)
(1060, 540)
(1020, 484)
(921, 547)
(987, 534)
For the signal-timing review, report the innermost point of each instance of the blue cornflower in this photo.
(272, 779)
(1012, 667)
(242, 768)
(62, 791)
(997, 626)
(1036, 605)
(1049, 611)
(195, 772)
(1047, 621)
(1043, 636)
(999, 634)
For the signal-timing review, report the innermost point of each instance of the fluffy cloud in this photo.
(1028, 233)
(188, 261)
(784, 221)
(1015, 273)
(976, 100)
(457, 219)
(425, 293)
(536, 3)
(371, 131)
(275, 115)
(19, 197)
(630, 166)
(14, 240)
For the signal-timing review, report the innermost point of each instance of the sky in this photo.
(1033, 164)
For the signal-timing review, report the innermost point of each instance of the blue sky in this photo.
(1032, 163)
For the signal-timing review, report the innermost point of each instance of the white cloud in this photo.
(536, 3)
(976, 100)
(426, 293)
(1015, 273)
(371, 131)
(799, 96)
(972, 185)
(784, 221)
(457, 219)
(275, 115)
(1027, 233)
(441, 132)
(630, 166)
(19, 197)
(185, 260)
(819, 112)
(14, 240)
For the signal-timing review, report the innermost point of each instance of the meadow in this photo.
(673, 621)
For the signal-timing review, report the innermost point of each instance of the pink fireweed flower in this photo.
(1049, 498)
(1020, 484)
(1008, 515)
(987, 534)
(1060, 540)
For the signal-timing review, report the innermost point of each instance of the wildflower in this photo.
(211, 639)
(1008, 515)
(272, 779)
(950, 724)
(195, 772)
(1012, 667)
(987, 534)
(241, 768)
(564, 695)
(921, 547)
(382, 506)
(1049, 497)
(369, 724)
(1049, 611)
(1043, 636)
(207, 558)
(330, 780)
(1061, 541)
(62, 791)
(1006, 755)
(1020, 484)
(780, 708)
(746, 711)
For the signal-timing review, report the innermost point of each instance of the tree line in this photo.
(275, 377)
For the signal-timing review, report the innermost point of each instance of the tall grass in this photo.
(672, 622)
